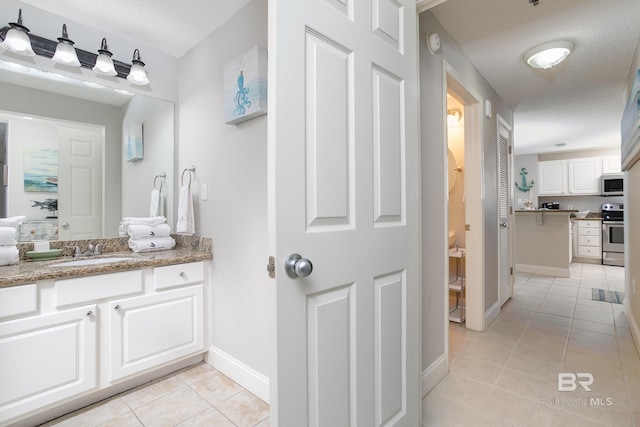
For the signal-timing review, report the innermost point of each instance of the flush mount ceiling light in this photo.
(104, 63)
(17, 38)
(137, 74)
(547, 55)
(65, 52)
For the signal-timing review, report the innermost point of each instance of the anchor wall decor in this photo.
(524, 187)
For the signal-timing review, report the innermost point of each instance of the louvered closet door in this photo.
(343, 153)
(504, 227)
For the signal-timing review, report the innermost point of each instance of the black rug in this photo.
(607, 296)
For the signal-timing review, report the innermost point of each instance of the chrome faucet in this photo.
(90, 251)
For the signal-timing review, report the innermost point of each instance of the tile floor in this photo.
(195, 396)
(505, 376)
(508, 375)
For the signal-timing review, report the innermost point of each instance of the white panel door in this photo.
(584, 175)
(45, 359)
(80, 183)
(343, 193)
(552, 178)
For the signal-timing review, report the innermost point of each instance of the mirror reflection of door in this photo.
(79, 183)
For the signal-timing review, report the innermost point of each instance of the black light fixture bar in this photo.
(47, 48)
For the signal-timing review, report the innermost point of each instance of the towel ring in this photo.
(155, 180)
(191, 169)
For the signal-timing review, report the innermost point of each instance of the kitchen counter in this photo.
(543, 244)
(188, 249)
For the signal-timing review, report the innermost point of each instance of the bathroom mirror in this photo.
(453, 170)
(36, 107)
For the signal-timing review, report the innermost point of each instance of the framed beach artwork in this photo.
(40, 170)
(245, 86)
(134, 148)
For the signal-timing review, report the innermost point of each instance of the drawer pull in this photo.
(117, 307)
(90, 313)
(183, 274)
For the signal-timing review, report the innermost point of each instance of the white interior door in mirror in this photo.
(80, 183)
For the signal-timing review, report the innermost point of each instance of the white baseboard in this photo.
(434, 373)
(545, 271)
(491, 314)
(247, 377)
(633, 325)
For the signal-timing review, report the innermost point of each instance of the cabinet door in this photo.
(611, 164)
(552, 178)
(46, 359)
(584, 176)
(151, 330)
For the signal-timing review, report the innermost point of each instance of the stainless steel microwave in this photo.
(612, 184)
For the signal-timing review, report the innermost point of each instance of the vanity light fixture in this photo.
(65, 52)
(137, 74)
(547, 55)
(17, 38)
(104, 63)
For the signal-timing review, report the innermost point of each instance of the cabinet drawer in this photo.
(588, 231)
(589, 251)
(92, 288)
(590, 224)
(589, 241)
(18, 300)
(171, 276)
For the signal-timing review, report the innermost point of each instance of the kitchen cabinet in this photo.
(47, 358)
(589, 241)
(584, 175)
(552, 178)
(570, 177)
(611, 164)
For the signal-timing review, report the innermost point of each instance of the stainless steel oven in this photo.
(613, 234)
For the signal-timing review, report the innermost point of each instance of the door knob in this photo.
(296, 266)
(503, 224)
(65, 225)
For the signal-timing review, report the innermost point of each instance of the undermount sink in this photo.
(91, 261)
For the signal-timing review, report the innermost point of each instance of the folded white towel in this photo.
(186, 222)
(7, 236)
(130, 220)
(9, 255)
(140, 231)
(156, 208)
(13, 221)
(149, 244)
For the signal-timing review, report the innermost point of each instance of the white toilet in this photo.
(452, 238)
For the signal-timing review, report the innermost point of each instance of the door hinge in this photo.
(510, 210)
(509, 149)
(271, 267)
(511, 271)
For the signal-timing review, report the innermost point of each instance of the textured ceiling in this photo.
(580, 102)
(170, 26)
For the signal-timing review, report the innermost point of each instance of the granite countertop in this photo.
(187, 250)
(547, 210)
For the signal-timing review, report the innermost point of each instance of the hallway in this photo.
(508, 375)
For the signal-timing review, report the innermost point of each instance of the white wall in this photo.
(632, 230)
(157, 118)
(232, 161)
(432, 108)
